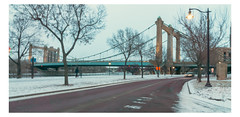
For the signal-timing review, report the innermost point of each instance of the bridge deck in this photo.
(106, 63)
(120, 63)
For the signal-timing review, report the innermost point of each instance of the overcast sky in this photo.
(138, 17)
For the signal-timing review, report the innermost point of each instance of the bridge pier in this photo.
(45, 55)
(170, 46)
(178, 48)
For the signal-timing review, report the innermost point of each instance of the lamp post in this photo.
(109, 68)
(190, 16)
(173, 68)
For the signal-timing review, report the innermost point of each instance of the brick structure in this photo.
(221, 57)
(221, 54)
(49, 54)
(221, 71)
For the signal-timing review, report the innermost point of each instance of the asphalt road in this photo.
(145, 96)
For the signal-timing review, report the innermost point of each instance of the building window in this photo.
(224, 56)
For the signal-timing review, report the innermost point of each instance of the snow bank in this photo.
(195, 97)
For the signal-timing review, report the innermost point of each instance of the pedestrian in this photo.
(76, 71)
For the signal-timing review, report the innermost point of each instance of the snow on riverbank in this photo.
(195, 97)
(25, 86)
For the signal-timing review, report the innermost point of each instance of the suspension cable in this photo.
(125, 51)
(117, 44)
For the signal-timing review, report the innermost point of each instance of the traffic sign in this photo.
(158, 68)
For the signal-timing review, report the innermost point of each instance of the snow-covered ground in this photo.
(195, 97)
(25, 86)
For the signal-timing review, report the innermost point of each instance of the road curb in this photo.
(189, 91)
(49, 92)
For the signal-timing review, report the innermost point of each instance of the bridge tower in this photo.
(178, 47)
(171, 33)
(49, 54)
(159, 24)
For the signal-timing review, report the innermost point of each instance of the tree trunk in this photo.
(65, 64)
(142, 66)
(199, 74)
(19, 75)
(65, 69)
(19, 71)
(124, 70)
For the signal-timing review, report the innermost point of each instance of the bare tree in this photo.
(21, 34)
(123, 42)
(140, 47)
(156, 61)
(68, 24)
(194, 43)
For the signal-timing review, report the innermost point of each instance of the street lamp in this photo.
(190, 16)
(109, 67)
(173, 68)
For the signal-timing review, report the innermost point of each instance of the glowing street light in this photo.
(172, 70)
(190, 16)
(109, 67)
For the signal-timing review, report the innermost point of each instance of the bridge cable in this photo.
(124, 51)
(118, 44)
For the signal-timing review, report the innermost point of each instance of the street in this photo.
(144, 96)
